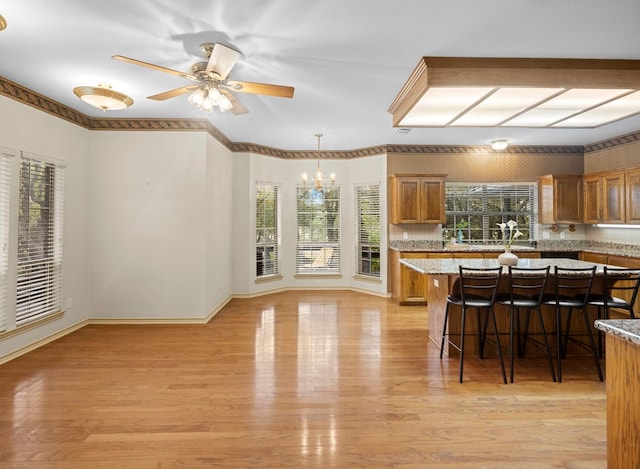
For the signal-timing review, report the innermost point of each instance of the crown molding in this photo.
(613, 142)
(26, 96)
(481, 149)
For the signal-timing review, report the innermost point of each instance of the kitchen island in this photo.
(442, 279)
(623, 391)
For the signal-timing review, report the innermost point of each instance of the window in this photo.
(476, 210)
(367, 200)
(39, 287)
(318, 230)
(5, 168)
(267, 229)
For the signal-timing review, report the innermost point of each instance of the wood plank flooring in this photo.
(296, 379)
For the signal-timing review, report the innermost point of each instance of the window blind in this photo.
(318, 230)
(267, 229)
(477, 208)
(367, 209)
(39, 269)
(5, 172)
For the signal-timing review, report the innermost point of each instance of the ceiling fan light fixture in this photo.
(499, 144)
(196, 98)
(224, 104)
(103, 97)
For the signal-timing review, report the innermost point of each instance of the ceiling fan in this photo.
(212, 87)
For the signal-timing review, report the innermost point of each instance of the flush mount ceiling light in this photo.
(103, 97)
(502, 92)
(499, 144)
(3, 23)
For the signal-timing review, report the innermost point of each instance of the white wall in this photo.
(219, 236)
(25, 128)
(251, 168)
(150, 208)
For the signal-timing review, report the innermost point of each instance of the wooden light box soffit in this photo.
(503, 92)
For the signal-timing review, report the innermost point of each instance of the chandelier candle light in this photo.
(318, 181)
(507, 257)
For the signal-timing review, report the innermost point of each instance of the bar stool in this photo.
(619, 290)
(572, 288)
(477, 291)
(526, 290)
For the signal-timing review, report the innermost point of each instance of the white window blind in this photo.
(267, 229)
(367, 209)
(5, 170)
(39, 285)
(318, 230)
(477, 208)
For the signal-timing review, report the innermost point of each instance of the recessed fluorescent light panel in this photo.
(552, 93)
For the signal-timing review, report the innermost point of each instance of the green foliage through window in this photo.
(476, 210)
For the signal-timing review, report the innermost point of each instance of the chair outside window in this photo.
(572, 289)
(477, 292)
(526, 290)
(620, 291)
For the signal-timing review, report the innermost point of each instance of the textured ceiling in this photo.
(347, 59)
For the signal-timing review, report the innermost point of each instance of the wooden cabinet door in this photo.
(405, 205)
(592, 199)
(417, 198)
(560, 199)
(632, 190)
(568, 199)
(613, 195)
(596, 257)
(413, 283)
(432, 201)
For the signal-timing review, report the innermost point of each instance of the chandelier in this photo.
(208, 96)
(318, 182)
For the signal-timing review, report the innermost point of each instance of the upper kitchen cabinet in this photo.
(592, 198)
(417, 198)
(612, 197)
(604, 197)
(613, 203)
(632, 190)
(560, 199)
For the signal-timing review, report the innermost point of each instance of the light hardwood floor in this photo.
(296, 379)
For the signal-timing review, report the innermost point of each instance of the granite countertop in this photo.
(629, 250)
(451, 266)
(626, 329)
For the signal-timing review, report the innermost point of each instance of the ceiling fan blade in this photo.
(173, 93)
(222, 60)
(238, 108)
(155, 67)
(262, 88)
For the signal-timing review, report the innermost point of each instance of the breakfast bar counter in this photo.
(442, 280)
